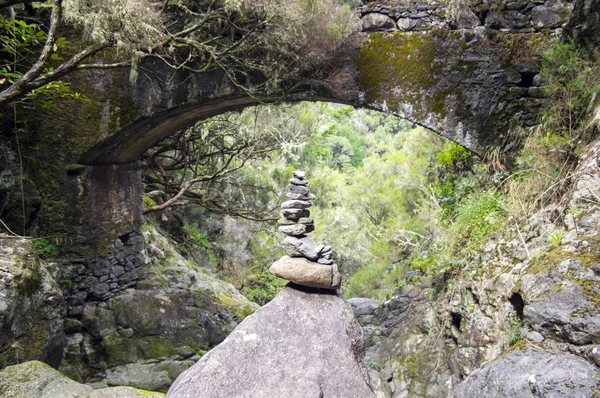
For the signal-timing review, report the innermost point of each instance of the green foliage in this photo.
(514, 333)
(570, 82)
(44, 248)
(453, 156)
(148, 201)
(477, 216)
(198, 241)
(263, 287)
(556, 237)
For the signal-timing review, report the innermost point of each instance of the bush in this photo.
(44, 248)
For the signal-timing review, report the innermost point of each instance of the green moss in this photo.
(588, 258)
(240, 309)
(120, 350)
(397, 60)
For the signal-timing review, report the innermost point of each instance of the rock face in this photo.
(310, 263)
(532, 373)
(145, 337)
(36, 379)
(31, 307)
(300, 345)
(429, 338)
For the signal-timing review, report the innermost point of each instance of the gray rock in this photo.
(295, 214)
(535, 337)
(31, 307)
(296, 229)
(305, 220)
(567, 312)
(304, 272)
(302, 190)
(297, 181)
(300, 345)
(145, 376)
(532, 373)
(377, 23)
(298, 196)
(124, 392)
(407, 24)
(299, 174)
(595, 355)
(36, 379)
(302, 247)
(285, 221)
(295, 204)
(325, 261)
(363, 306)
(551, 15)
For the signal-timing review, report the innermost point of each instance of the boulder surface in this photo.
(300, 345)
(532, 373)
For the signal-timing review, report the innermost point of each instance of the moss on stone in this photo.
(240, 309)
(120, 350)
(393, 67)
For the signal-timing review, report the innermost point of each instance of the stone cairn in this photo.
(307, 263)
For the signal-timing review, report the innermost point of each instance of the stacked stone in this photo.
(307, 263)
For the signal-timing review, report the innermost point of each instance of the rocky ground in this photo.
(143, 337)
(523, 319)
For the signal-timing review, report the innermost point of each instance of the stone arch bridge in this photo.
(468, 73)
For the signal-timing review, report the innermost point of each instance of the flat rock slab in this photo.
(304, 272)
(532, 373)
(300, 345)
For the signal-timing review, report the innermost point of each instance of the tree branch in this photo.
(21, 86)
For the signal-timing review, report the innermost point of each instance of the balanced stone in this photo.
(325, 261)
(297, 229)
(305, 220)
(303, 272)
(285, 221)
(302, 247)
(299, 196)
(296, 181)
(295, 204)
(301, 189)
(299, 174)
(295, 214)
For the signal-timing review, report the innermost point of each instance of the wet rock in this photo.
(304, 272)
(300, 345)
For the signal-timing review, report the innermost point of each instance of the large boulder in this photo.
(36, 379)
(532, 373)
(31, 307)
(300, 345)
